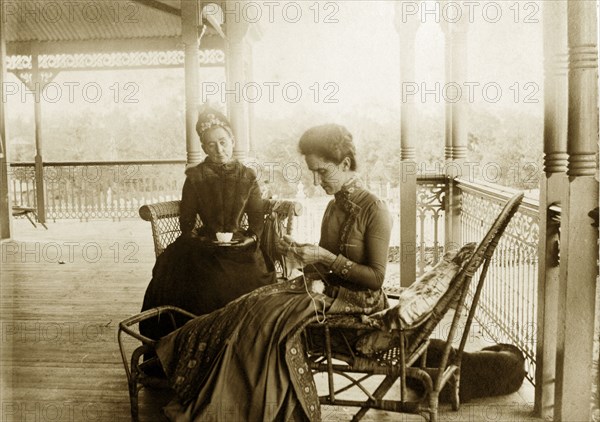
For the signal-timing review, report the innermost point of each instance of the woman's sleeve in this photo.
(188, 208)
(255, 210)
(377, 240)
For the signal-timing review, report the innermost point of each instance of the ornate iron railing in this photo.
(431, 191)
(508, 304)
(89, 190)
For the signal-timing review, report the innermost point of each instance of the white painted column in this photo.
(191, 41)
(5, 205)
(407, 32)
(254, 35)
(579, 247)
(38, 86)
(552, 188)
(236, 80)
(456, 135)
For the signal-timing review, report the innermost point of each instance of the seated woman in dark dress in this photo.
(196, 272)
(246, 361)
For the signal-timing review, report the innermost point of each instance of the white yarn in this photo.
(318, 287)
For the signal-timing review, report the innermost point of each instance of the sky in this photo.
(360, 54)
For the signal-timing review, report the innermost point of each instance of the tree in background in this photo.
(504, 147)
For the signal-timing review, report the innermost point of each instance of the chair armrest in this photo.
(279, 221)
(160, 210)
(164, 220)
(283, 210)
(150, 313)
(283, 207)
(147, 343)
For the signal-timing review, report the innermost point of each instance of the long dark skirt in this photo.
(201, 278)
(246, 361)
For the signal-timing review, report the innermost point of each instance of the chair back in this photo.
(164, 221)
(459, 288)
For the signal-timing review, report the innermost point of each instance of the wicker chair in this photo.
(407, 345)
(164, 219)
(143, 372)
(279, 220)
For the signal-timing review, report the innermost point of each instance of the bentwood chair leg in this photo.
(133, 398)
(359, 415)
(357, 418)
(433, 406)
(455, 385)
(133, 393)
(381, 391)
(329, 365)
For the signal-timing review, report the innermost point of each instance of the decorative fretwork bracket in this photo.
(26, 77)
(108, 61)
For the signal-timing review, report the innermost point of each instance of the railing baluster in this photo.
(81, 189)
(436, 243)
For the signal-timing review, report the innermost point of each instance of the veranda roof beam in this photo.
(99, 46)
(158, 5)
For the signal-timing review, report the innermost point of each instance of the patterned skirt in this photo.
(246, 361)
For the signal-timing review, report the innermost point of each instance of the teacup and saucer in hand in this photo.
(224, 237)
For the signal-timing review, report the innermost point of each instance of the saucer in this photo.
(231, 242)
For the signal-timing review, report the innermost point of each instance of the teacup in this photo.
(224, 237)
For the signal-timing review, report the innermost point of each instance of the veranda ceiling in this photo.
(90, 26)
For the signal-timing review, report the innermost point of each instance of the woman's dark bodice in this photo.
(220, 194)
(358, 225)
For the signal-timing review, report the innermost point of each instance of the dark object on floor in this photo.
(594, 216)
(493, 371)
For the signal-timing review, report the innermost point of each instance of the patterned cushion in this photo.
(415, 303)
(376, 341)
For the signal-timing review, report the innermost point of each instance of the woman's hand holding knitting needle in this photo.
(308, 253)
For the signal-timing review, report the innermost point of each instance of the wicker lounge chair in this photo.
(403, 353)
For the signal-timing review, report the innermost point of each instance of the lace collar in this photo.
(344, 199)
(348, 188)
(231, 165)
